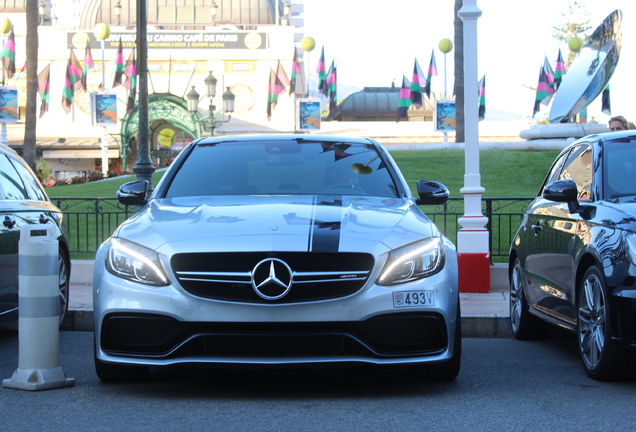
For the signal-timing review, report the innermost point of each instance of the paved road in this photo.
(504, 385)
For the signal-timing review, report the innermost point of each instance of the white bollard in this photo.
(38, 313)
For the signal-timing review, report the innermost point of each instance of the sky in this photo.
(375, 42)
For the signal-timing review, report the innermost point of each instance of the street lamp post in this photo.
(213, 11)
(286, 13)
(472, 240)
(117, 12)
(143, 165)
(211, 122)
(445, 46)
(5, 27)
(42, 9)
(102, 32)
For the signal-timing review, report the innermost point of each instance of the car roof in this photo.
(287, 137)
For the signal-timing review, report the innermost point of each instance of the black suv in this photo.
(23, 201)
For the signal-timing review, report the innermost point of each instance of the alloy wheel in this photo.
(592, 320)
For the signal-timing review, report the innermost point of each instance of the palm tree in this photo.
(32, 21)
(459, 73)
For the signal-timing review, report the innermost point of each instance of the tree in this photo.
(32, 20)
(459, 73)
(566, 29)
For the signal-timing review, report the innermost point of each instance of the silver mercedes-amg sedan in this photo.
(278, 250)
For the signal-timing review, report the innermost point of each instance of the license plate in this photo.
(413, 298)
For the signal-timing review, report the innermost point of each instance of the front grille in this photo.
(383, 336)
(316, 276)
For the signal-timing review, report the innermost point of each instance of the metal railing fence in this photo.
(93, 220)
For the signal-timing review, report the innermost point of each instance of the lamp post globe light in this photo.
(210, 122)
(5, 25)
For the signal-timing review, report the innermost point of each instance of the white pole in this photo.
(104, 142)
(472, 239)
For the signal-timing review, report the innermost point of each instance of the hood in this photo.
(281, 222)
(621, 214)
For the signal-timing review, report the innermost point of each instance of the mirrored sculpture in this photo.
(590, 72)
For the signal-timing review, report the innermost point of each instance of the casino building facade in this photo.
(237, 42)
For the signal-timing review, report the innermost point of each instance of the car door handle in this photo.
(537, 229)
(8, 222)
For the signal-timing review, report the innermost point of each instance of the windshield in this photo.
(282, 167)
(619, 177)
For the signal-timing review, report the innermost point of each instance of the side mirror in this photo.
(133, 193)
(564, 191)
(431, 193)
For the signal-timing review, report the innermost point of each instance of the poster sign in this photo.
(103, 108)
(9, 109)
(445, 116)
(308, 114)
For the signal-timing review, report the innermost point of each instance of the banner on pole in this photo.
(9, 108)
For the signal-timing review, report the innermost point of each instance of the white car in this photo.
(278, 250)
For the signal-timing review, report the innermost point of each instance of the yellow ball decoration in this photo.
(575, 44)
(102, 31)
(307, 43)
(445, 45)
(5, 25)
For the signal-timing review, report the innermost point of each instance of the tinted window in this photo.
(31, 182)
(282, 168)
(578, 167)
(12, 186)
(619, 168)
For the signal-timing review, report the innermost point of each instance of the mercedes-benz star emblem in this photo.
(271, 279)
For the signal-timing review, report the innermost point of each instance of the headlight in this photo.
(136, 263)
(631, 250)
(415, 261)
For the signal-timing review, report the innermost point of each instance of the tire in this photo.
(601, 359)
(64, 276)
(523, 324)
(448, 370)
(115, 372)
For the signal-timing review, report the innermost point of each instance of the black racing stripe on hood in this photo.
(324, 233)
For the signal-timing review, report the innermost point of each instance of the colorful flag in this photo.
(549, 73)
(482, 98)
(8, 56)
(606, 106)
(75, 72)
(119, 66)
(559, 71)
(404, 101)
(282, 76)
(432, 71)
(416, 85)
(68, 92)
(274, 89)
(296, 77)
(44, 83)
(322, 74)
(88, 65)
(544, 88)
(332, 88)
(130, 69)
(544, 92)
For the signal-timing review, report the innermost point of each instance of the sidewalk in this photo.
(484, 315)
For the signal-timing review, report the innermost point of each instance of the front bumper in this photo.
(140, 325)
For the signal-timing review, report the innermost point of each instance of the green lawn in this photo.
(503, 174)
